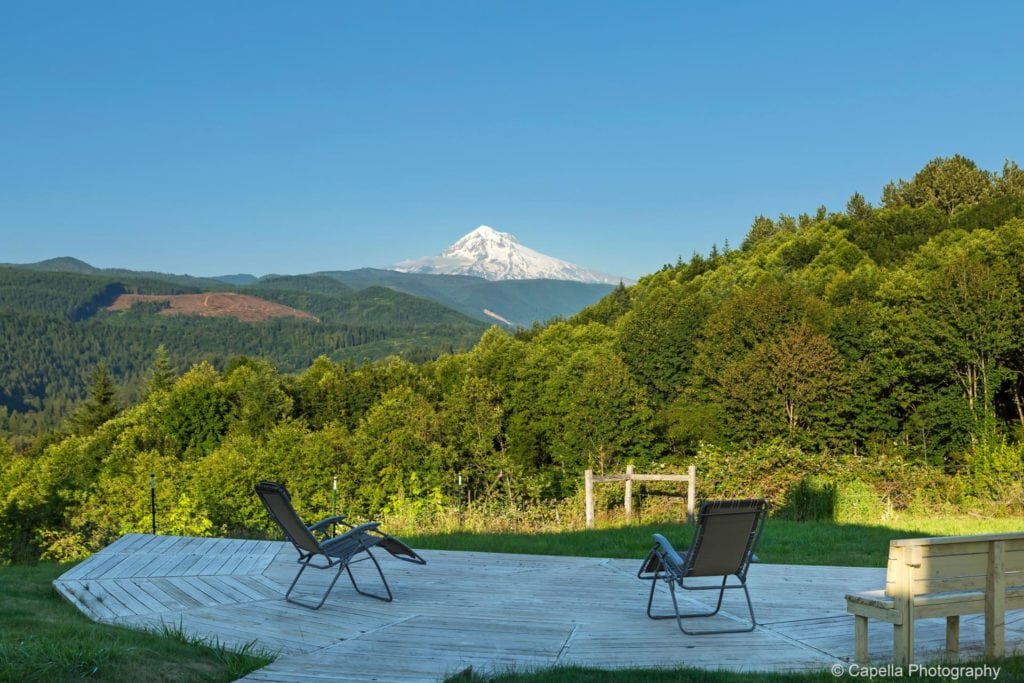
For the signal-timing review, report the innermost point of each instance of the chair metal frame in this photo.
(340, 551)
(746, 519)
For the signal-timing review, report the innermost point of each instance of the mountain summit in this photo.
(494, 255)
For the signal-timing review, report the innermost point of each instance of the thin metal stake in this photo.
(334, 503)
(459, 506)
(152, 499)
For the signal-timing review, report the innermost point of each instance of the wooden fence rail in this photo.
(629, 477)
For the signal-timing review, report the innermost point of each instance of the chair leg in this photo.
(721, 594)
(387, 598)
(750, 608)
(650, 600)
(672, 591)
(287, 596)
(675, 604)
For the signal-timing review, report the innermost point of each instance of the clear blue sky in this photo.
(222, 137)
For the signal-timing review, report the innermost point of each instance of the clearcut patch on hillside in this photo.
(242, 307)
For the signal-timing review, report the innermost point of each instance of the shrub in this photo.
(857, 501)
(773, 472)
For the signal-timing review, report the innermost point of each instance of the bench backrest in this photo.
(922, 566)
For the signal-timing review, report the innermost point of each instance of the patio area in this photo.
(491, 611)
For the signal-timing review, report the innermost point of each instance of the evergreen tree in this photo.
(161, 375)
(858, 207)
(762, 228)
(101, 404)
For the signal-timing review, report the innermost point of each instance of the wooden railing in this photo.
(629, 477)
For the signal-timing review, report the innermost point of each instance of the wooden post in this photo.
(691, 492)
(995, 601)
(860, 639)
(952, 635)
(629, 493)
(629, 477)
(903, 592)
(588, 485)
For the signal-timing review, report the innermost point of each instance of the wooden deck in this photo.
(490, 611)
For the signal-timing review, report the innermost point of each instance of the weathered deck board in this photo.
(491, 611)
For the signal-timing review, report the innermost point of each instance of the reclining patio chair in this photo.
(723, 545)
(340, 551)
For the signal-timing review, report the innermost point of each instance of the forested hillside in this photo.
(875, 352)
(54, 331)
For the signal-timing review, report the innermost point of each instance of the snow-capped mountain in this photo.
(494, 255)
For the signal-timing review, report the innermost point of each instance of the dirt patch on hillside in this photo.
(249, 309)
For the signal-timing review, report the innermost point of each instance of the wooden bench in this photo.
(943, 577)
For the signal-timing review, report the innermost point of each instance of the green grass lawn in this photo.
(783, 542)
(1010, 669)
(43, 638)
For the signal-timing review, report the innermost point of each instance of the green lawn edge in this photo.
(45, 638)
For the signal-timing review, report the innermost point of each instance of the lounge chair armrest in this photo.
(319, 526)
(663, 558)
(353, 540)
(670, 554)
(651, 566)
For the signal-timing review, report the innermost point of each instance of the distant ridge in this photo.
(61, 264)
(238, 279)
(69, 264)
(511, 302)
(494, 255)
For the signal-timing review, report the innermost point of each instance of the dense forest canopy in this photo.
(878, 348)
(55, 330)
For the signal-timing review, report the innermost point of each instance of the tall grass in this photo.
(237, 660)
(43, 638)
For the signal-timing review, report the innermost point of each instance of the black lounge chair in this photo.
(723, 545)
(340, 551)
